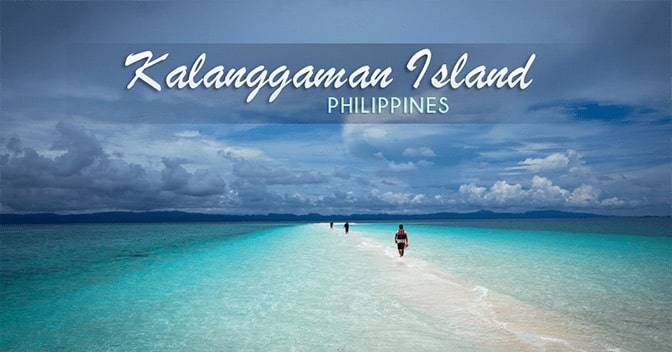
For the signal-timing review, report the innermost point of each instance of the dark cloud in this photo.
(201, 183)
(81, 150)
(84, 178)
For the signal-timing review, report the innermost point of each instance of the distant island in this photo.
(180, 216)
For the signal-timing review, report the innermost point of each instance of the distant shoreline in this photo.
(186, 217)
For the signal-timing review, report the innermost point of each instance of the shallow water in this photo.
(462, 286)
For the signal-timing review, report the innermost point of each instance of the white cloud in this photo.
(236, 152)
(584, 196)
(400, 167)
(419, 152)
(613, 202)
(399, 198)
(393, 166)
(187, 134)
(555, 161)
(375, 132)
(541, 193)
(544, 192)
(472, 191)
(503, 193)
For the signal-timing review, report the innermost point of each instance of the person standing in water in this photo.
(401, 238)
(347, 227)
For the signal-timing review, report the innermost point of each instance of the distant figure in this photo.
(331, 225)
(401, 238)
(347, 227)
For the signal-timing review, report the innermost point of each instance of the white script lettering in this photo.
(140, 72)
(478, 77)
(258, 77)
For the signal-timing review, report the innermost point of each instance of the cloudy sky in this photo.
(592, 132)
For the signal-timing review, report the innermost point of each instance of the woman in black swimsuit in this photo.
(401, 237)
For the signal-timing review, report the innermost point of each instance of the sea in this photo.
(594, 284)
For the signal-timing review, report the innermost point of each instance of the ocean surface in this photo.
(493, 285)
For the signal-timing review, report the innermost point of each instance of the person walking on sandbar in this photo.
(347, 227)
(401, 238)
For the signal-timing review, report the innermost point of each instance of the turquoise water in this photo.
(515, 285)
